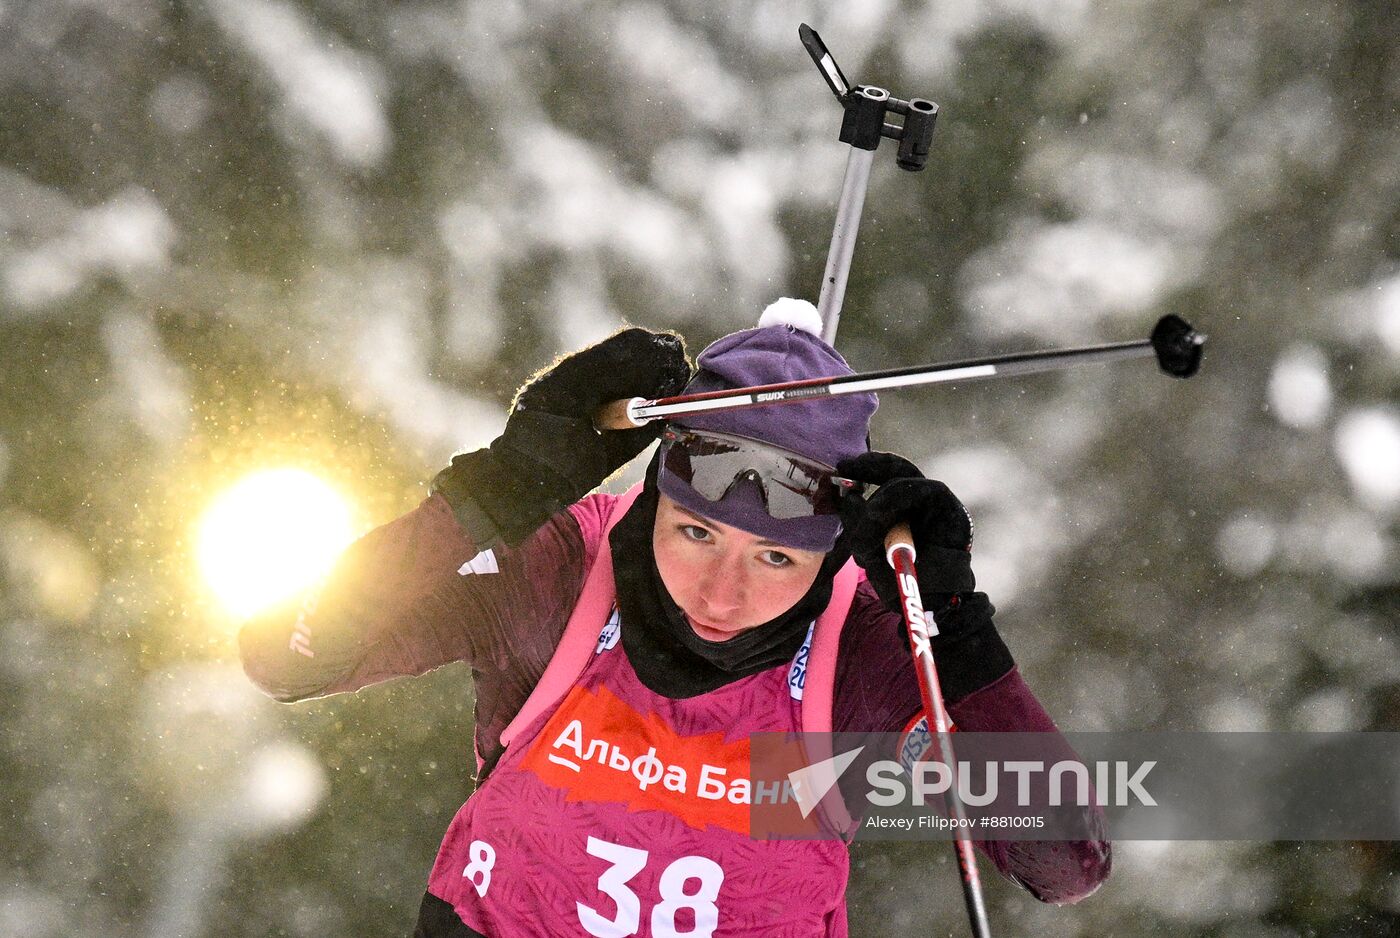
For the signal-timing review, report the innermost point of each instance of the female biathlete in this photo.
(623, 646)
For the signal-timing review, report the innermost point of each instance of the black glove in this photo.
(550, 455)
(967, 649)
(940, 524)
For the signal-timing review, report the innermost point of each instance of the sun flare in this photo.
(271, 535)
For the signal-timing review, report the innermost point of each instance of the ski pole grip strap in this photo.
(618, 415)
(899, 536)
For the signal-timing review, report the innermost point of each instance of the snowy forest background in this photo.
(239, 233)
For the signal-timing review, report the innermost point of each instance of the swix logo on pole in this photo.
(920, 624)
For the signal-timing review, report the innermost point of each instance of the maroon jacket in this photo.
(397, 605)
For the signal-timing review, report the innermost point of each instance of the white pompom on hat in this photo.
(788, 311)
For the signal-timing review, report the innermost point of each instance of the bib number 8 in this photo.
(674, 897)
(628, 862)
(483, 860)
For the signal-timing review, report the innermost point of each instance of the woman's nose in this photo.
(724, 586)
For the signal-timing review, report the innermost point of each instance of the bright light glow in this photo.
(1246, 544)
(282, 788)
(271, 536)
(1368, 445)
(1299, 389)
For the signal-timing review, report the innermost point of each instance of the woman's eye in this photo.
(775, 559)
(695, 532)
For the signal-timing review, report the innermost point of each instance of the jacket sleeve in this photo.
(415, 594)
(1060, 872)
(877, 690)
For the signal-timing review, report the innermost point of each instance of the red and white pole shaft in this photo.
(899, 551)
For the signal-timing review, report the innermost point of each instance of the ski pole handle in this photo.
(618, 415)
(899, 537)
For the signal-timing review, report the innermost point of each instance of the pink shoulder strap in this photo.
(820, 684)
(819, 690)
(580, 637)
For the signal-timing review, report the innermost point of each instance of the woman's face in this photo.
(727, 580)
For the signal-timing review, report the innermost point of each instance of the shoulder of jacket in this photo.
(872, 631)
(592, 513)
(866, 603)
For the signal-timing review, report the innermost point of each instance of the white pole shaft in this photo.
(843, 240)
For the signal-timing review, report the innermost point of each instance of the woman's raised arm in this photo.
(412, 595)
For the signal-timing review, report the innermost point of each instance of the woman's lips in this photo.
(708, 632)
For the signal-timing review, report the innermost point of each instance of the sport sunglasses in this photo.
(793, 485)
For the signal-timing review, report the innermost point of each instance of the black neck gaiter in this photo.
(669, 658)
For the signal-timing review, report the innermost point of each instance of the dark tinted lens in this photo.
(676, 461)
(793, 487)
(707, 464)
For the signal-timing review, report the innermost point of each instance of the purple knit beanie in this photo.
(786, 346)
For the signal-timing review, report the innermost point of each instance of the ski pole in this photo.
(863, 125)
(1175, 344)
(899, 551)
